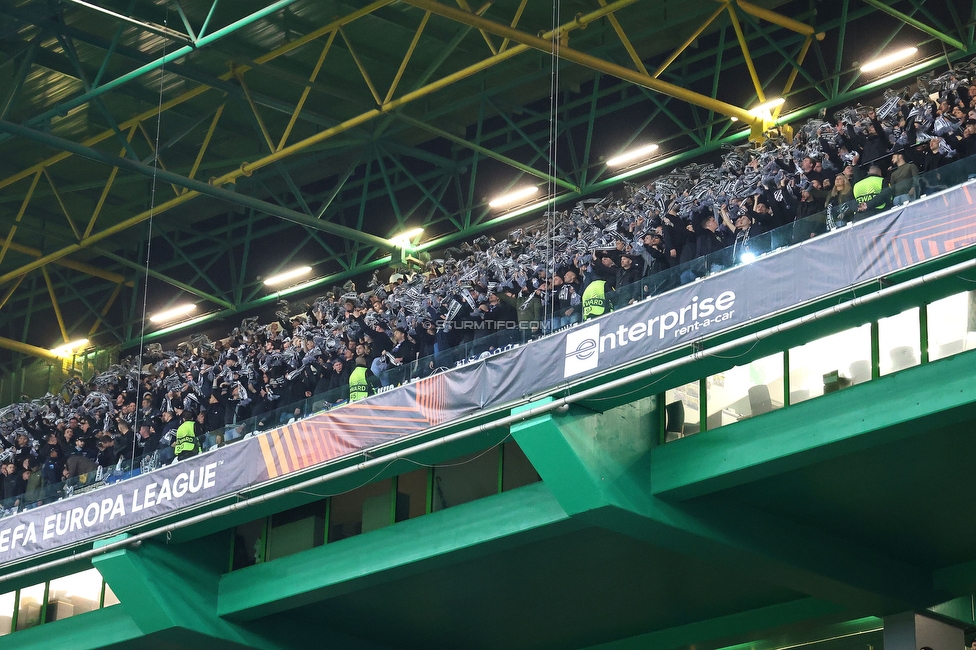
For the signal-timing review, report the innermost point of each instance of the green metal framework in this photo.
(282, 135)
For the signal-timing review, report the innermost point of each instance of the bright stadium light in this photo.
(404, 238)
(888, 59)
(513, 197)
(172, 314)
(768, 106)
(281, 278)
(67, 349)
(635, 154)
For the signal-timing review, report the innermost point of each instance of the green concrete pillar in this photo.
(911, 631)
(592, 460)
(170, 591)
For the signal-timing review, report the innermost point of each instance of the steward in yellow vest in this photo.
(868, 192)
(186, 437)
(359, 385)
(595, 300)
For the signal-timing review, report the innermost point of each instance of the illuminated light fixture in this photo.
(66, 349)
(767, 107)
(513, 197)
(888, 59)
(747, 257)
(171, 314)
(281, 278)
(734, 119)
(640, 152)
(403, 239)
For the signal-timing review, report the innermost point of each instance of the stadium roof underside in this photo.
(208, 144)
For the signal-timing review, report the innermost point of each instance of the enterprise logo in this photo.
(582, 350)
(584, 346)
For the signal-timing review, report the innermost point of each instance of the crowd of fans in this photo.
(487, 294)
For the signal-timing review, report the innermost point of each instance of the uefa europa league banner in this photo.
(822, 266)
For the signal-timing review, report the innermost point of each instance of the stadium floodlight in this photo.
(67, 349)
(172, 314)
(404, 238)
(513, 197)
(888, 59)
(281, 278)
(767, 106)
(634, 154)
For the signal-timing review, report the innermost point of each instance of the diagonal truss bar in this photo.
(54, 303)
(514, 23)
(547, 45)
(206, 141)
(407, 57)
(18, 81)
(362, 68)
(11, 290)
(106, 190)
(307, 90)
(152, 28)
(491, 46)
(625, 41)
(64, 208)
(744, 45)
(254, 110)
(164, 278)
(917, 24)
(105, 310)
(20, 215)
(488, 153)
(688, 41)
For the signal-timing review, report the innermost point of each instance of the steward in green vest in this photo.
(186, 437)
(595, 300)
(359, 387)
(868, 191)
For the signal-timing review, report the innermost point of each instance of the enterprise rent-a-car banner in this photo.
(900, 238)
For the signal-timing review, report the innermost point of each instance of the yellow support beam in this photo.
(778, 19)
(24, 348)
(515, 22)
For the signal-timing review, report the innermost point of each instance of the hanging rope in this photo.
(145, 284)
(549, 310)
